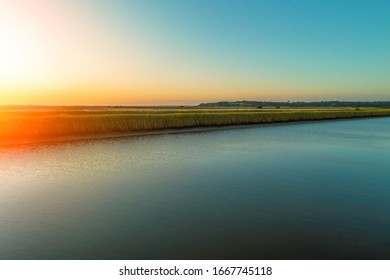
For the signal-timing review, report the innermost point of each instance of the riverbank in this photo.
(37, 126)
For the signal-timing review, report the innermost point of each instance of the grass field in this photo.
(38, 123)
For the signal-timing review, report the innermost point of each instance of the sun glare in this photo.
(20, 50)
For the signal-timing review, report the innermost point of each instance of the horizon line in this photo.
(186, 104)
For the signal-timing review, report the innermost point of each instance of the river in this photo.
(310, 190)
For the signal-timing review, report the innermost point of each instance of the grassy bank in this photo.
(36, 125)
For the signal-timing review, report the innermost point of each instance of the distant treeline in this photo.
(244, 103)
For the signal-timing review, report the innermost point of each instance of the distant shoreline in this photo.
(39, 129)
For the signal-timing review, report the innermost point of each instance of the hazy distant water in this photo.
(307, 190)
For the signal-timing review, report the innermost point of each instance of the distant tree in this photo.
(297, 104)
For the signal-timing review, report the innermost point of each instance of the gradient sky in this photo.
(185, 52)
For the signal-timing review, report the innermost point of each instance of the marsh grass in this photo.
(34, 125)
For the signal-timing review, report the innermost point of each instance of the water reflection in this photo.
(308, 190)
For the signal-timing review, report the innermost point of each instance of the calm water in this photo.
(301, 191)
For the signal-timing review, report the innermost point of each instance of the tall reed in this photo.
(30, 127)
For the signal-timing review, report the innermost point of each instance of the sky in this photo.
(150, 52)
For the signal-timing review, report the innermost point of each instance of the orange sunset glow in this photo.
(100, 53)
